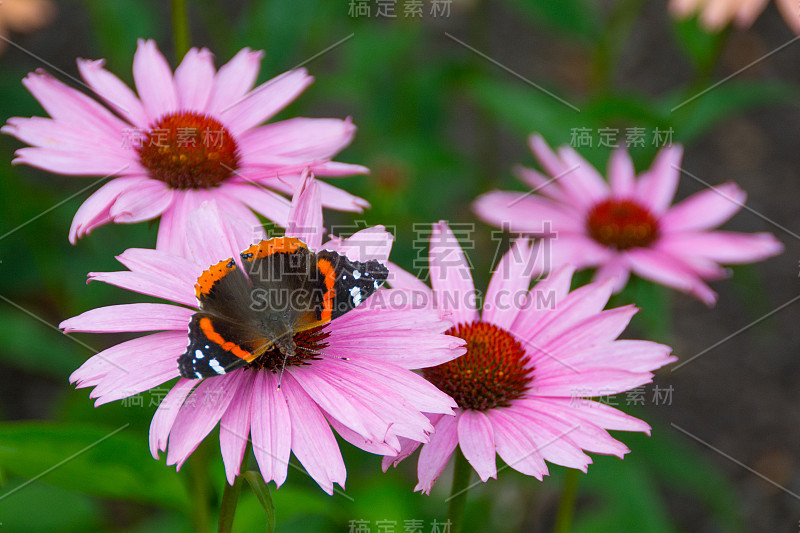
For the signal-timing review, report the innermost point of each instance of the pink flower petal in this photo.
(400, 278)
(668, 270)
(543, 300)
(550, 162)
(153, 77)
(306, 139)
(212, 236)
(553, 438)
(433, 456)
(371, 446)
(265, 101)
(273, 426)
(584, 184)
(65, 104)
(261, 200)
(158, 286)
(723, 246)
(332, 197)
(597, 413)
(704, 210)
(514, 447)
(74, 162)
(113, 91)
(621, 174)
(451, 276)
(787, 8)
(165, 415)
(593, 331)
(200, 413)
(94, 212)
(540, 183)
(407, 447)
(313, 442)
(147, 201)
(615, 269)
(63, 136)
(336, 169)
(305, 216)
(525, 213)
(589, 382)
(172, 269)
(125, 358)
(508, 287)
(130, 317)
(568, 249)
(234, 79)
(370, 243)
(172, 226)
(194, 79)
(656, 187)
(476, 439)
(234, 427)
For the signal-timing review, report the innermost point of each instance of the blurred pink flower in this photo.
(628, 225)
(362, 386)
(185, 139)
(533, 359)
(24, 16)
(716, 14)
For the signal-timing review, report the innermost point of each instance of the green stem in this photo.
(567, 505)
(612, 42)
(180, 28)
(200, 487)
(458, 494)
(227, 510)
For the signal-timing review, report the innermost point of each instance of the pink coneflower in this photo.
(184, 139)
(716, 14)
(533, 358)
(356, 376)
(629, 224)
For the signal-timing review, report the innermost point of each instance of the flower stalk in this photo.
(458, 494)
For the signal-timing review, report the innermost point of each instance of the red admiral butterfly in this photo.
(288, 289)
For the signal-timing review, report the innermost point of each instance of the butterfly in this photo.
(283, 289)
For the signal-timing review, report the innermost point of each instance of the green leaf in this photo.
(577, 17)
(97, 460)
(66, 511)
(701, 46)
(261, 491)
(696, 111)
(528, 109)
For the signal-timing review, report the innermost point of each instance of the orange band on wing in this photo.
(326, 269)
(208, 330)
(273, 246)
(210, 277)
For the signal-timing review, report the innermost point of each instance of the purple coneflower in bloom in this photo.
(627, 225)
(184, 139)
(355, 376)
(534, 358)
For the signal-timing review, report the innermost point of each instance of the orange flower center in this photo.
(622, 224)
(309, 344)
(494, 371)
(188, 150)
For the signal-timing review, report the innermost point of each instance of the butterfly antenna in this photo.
(283, 367)
(317, 352)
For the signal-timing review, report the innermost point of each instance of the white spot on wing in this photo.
(215, 366)
(355, 294)
(199, 354)
(376, 284)
(356, 274)
(199, 375)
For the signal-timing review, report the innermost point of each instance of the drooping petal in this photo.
(433, 456)
(525, 213)
(212, 236)
(165, 415)
(313, 442)
(234, 427)
(514, 446)
(476, 440)
(272, 426)
(95, 211)
(200, 413)
(668, 270)
(149, 200)
(725, 247)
